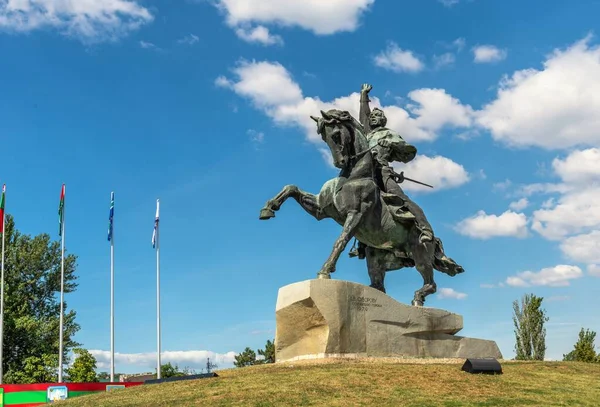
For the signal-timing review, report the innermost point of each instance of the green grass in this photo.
(369, 383)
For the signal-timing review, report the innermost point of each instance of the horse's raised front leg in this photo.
(306, 200)
(350, 225)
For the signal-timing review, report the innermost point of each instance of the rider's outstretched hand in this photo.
(366, 88)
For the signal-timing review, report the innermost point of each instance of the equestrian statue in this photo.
(368, 202)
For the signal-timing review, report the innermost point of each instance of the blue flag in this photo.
(110, 215)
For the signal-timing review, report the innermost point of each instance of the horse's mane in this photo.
(344, 117)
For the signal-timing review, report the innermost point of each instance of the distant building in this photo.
(137, 377)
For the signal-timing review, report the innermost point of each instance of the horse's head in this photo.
(336, 127)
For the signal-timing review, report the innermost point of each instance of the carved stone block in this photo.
(329, 318)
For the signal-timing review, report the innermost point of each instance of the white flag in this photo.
(155, 224)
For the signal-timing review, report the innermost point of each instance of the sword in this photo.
(400, 177)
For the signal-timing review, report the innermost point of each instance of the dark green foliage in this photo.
(31, 308)
(530, 332)
(268, 353)
(584, 350)
(170, 370)
(246, 358)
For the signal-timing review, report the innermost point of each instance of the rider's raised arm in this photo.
(365, 110)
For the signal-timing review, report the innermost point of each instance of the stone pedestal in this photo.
(334, 318)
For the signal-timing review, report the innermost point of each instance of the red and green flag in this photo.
(2, 209)
(61, 210)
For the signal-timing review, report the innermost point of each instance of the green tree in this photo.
(584, 350)
(170, 370)
(268, 353)
(36, 369)
(530, 333)
(31, 307)
(246, 358)
(83, 369)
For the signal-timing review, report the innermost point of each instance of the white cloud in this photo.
(557, 276)
(488, 53)
(440, 172)
(259, 34)
(396, 59)
(593, 270)
(499, 285)
(271, 88)
(449, 3)
(580, 166)
(268, 85)
(555, 107)
(542, 188)
(549, 203)
(435, 109)
(459, 43)
(147, 45)
(519, 205)
(502, 186)
(320, 17)
(583, 248)
(256, 136)
(574, 212)
(445, 293)
(189, 39)
(484, 226)
(445, 59)
(89, 20)
(194, 359)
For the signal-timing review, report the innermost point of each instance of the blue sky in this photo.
(206, 104)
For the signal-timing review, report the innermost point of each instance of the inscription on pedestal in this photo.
(363, 303)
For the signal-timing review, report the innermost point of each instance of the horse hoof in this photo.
(416, 303)
(266, 213)
(323, 276)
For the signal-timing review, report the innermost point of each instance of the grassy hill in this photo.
(370, 383)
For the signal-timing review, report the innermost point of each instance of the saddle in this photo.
(397, 207)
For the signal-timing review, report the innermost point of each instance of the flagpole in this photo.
(158, 376)
(2, 293)
(112, 290)
(62, 280)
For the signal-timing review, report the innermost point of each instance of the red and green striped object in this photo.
(30, 395)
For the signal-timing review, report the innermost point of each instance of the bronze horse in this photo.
(354, 200)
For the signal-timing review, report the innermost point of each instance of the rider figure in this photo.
(388, 146)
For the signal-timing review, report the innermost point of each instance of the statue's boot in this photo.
(359, 251)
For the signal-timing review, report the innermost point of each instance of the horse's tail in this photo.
(444, 263)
